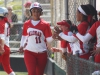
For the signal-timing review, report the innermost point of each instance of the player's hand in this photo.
(56, 36)
(59, 38)
(21, 50)
(54, 49)
(57, 30)
(64, 56)
(96, 52)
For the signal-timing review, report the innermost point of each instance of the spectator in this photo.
(25, 18)
(12, 17)
(4, 42)
(27, 4)
(34, 39)
(26, 14)
(27, 11)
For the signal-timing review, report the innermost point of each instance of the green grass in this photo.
(17, 73)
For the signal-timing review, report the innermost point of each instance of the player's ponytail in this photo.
(92, 14)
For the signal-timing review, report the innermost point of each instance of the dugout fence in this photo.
(79, 66)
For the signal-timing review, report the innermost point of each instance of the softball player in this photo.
(4, 42)
(65, 46)
(82, 17)
(94, 30)
(36, 33)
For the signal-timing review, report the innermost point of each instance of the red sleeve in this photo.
(2, 26)
(82, 28)
(47, 31)
(94, 27)
(63, 44)
(25, 27)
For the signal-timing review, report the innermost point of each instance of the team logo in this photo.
(35, 4)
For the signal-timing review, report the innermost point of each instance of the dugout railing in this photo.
(79, 66)
(74, 66)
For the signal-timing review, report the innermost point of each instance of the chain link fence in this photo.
(78, 66)
(65, 9)
(72, 8)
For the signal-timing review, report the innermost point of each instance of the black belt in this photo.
(42, 52)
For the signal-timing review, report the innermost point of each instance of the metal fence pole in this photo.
(77, 65)
(91, 58)
(22, 9)
(66, 9)
(5, 3)
(51, 2)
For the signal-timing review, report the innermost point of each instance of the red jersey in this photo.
(4, 31)
(95, 31)
(67, 45)
(78, 45)
(36, 41)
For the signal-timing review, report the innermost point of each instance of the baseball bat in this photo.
(11, 52)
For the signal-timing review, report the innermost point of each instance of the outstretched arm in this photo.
(84, 38)
(68, 38)
(65, 37)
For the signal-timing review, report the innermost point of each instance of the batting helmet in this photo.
(35, 5)
(3, 11)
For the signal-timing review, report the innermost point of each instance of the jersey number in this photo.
(38, 40)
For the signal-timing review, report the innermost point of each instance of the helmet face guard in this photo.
(3, 11)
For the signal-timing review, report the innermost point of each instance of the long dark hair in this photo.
(93, 19)
(92, 15)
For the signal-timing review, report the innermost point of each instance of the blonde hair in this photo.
(9, 7)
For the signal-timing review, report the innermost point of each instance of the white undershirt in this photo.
(84, 38)
(35, 22)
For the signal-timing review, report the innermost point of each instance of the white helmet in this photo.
(3, 11)
(35, 5)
